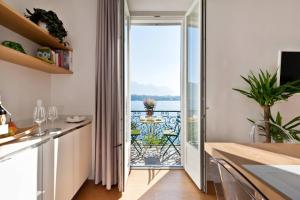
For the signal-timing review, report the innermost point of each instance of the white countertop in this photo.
(11, 148)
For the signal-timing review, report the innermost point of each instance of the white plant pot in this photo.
(43, 25)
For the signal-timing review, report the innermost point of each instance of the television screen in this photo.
(289, 66)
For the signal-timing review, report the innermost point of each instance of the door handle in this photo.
(40, 192)
(118, 145)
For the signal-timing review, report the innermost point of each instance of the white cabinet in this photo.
(53, 170)
(48, 170)
(19, 176)
(63, 167)
(82, 155)
(72, 162)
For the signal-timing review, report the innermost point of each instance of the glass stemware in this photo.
(39, 116)
(52, 116)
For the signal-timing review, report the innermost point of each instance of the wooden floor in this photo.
(148, 184)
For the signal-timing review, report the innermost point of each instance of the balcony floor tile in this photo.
(152, 156)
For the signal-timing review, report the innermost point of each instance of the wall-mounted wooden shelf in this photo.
(16, 22)
(25, 60)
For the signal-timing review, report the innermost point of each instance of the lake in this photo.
(160, 105)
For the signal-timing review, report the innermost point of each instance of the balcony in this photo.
(155, 141)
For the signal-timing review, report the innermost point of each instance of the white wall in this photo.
(244, 35)
(73, 94)
(20, 87)
(80, 21)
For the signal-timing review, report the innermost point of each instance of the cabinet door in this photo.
(48, 170)
(63, 167)
(82, 155)
(19, 176)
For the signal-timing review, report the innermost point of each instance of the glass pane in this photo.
(193, 77)
(127, 78)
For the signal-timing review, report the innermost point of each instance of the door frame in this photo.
(125, 160)
(203, 96)
(203, 106)
(180, 20)
(168, 20)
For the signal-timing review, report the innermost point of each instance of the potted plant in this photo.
(149, 105)
(154, 140)
(277, 134)
(48, 20)
(264, 90)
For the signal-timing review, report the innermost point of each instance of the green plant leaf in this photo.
(292, 122)
(251, 120)
(278, 119)
(264, 90)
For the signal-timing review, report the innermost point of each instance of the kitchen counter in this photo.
(273, 168)
(7, 150)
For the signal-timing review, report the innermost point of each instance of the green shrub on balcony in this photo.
(153, 140)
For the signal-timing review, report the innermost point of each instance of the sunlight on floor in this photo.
(148, 185)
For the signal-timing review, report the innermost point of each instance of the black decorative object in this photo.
(53, 24)
(14, 45)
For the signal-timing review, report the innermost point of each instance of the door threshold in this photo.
(155, 167)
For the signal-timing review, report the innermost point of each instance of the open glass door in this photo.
(192, 106)
(127, 98)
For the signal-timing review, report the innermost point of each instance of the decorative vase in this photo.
(149, 113)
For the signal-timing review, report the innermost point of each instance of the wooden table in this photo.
(239, 155)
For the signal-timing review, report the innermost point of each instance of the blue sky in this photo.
(155, 60)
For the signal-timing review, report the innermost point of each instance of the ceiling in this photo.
(159, 5)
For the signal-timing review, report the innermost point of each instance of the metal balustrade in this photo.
(148, 148)
(168, 122)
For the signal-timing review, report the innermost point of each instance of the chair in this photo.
(134, 142)
(171, 134)
(258, 130)
(234, 184)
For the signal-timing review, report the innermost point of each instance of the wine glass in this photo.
(39, 116)
(52, 116)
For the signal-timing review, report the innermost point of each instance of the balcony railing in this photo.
(170, 119)
(152, 146)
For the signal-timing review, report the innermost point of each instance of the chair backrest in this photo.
(235, 185)
(177, 127)
(258, 129)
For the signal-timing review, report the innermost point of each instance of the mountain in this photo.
(150, 89)
(156, 98)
